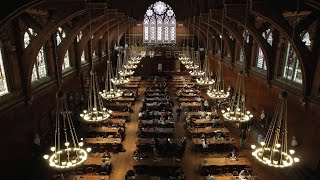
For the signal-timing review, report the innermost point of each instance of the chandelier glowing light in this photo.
(118, 79)
(67, 151)
(205, 79)
(274, 150)
(95, 111)
(111, 91)
(237, 111)
(217, 92)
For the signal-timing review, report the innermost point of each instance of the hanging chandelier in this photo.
(95, 111)
(67, 151)
(237, 111)
(125, 72)
(196, 71)
(117, 79)
(217, 91)
(274, 149)
(111, 91)
(205, 79)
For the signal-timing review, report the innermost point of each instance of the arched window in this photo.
(261, 63)
(79, 36)
(3, 80)
(159, 25)
(241, 55)
(292, 69)
(28, 35)
(39, 70)
(306, 39)
(66, 61)
(83, 58)
(246, 36)
(268, 36)
(60, 35)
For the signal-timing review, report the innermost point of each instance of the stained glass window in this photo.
(83, 58)
(66, 61)
(60, 35)
(39, 70)
(3, 80)
(246, 36)
(159, 25)
(268, 36)
(291, 70)
(261, 63)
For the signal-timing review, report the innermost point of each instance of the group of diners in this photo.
(158, 152)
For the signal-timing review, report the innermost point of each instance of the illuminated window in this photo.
(3, 80)
(39, 70)
(159, 25)
(241, 55)
(261, 63)
(60, 35)
(246, 36)
(79, 36)
(291, 68)
(268, 36)
(28, 35)
(83, 58)
(66, 61)
(306, 39)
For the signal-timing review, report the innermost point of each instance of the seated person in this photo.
(209, 177)
(244, 174)
(232, 154)
(106, 154)
(203, 136)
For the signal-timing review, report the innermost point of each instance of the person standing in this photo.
(178, 111)
(243, 137)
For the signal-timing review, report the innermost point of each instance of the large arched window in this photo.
(159, 25)
(83, 58)
(3, 80)
(268, 36)
(60, 35)
(39, 68)
(292, 69)
(261, 62)
(28, 35)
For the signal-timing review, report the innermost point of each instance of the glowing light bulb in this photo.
(46, 157)
(253, 146)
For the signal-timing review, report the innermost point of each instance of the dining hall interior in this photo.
(160, 89)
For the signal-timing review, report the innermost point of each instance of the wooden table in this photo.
(190, 95)
(208, 130)
(192, 99)
(104, 129)
(158, 130)
(198, 141)
(230, 177)
(87, 177)
(103, 140)
(202, 121)
(120, 114)
(193, 104)
(141, 141)
(158, 162)
(118, 121)
(224, 162)
(199, 113)
(123, 99)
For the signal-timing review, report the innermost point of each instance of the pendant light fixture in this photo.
(67, 152)
(217, 92)
(196, 67)
(274, 149)
(206, 79)
(237, 111)
(117, 79)
(95, 111)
